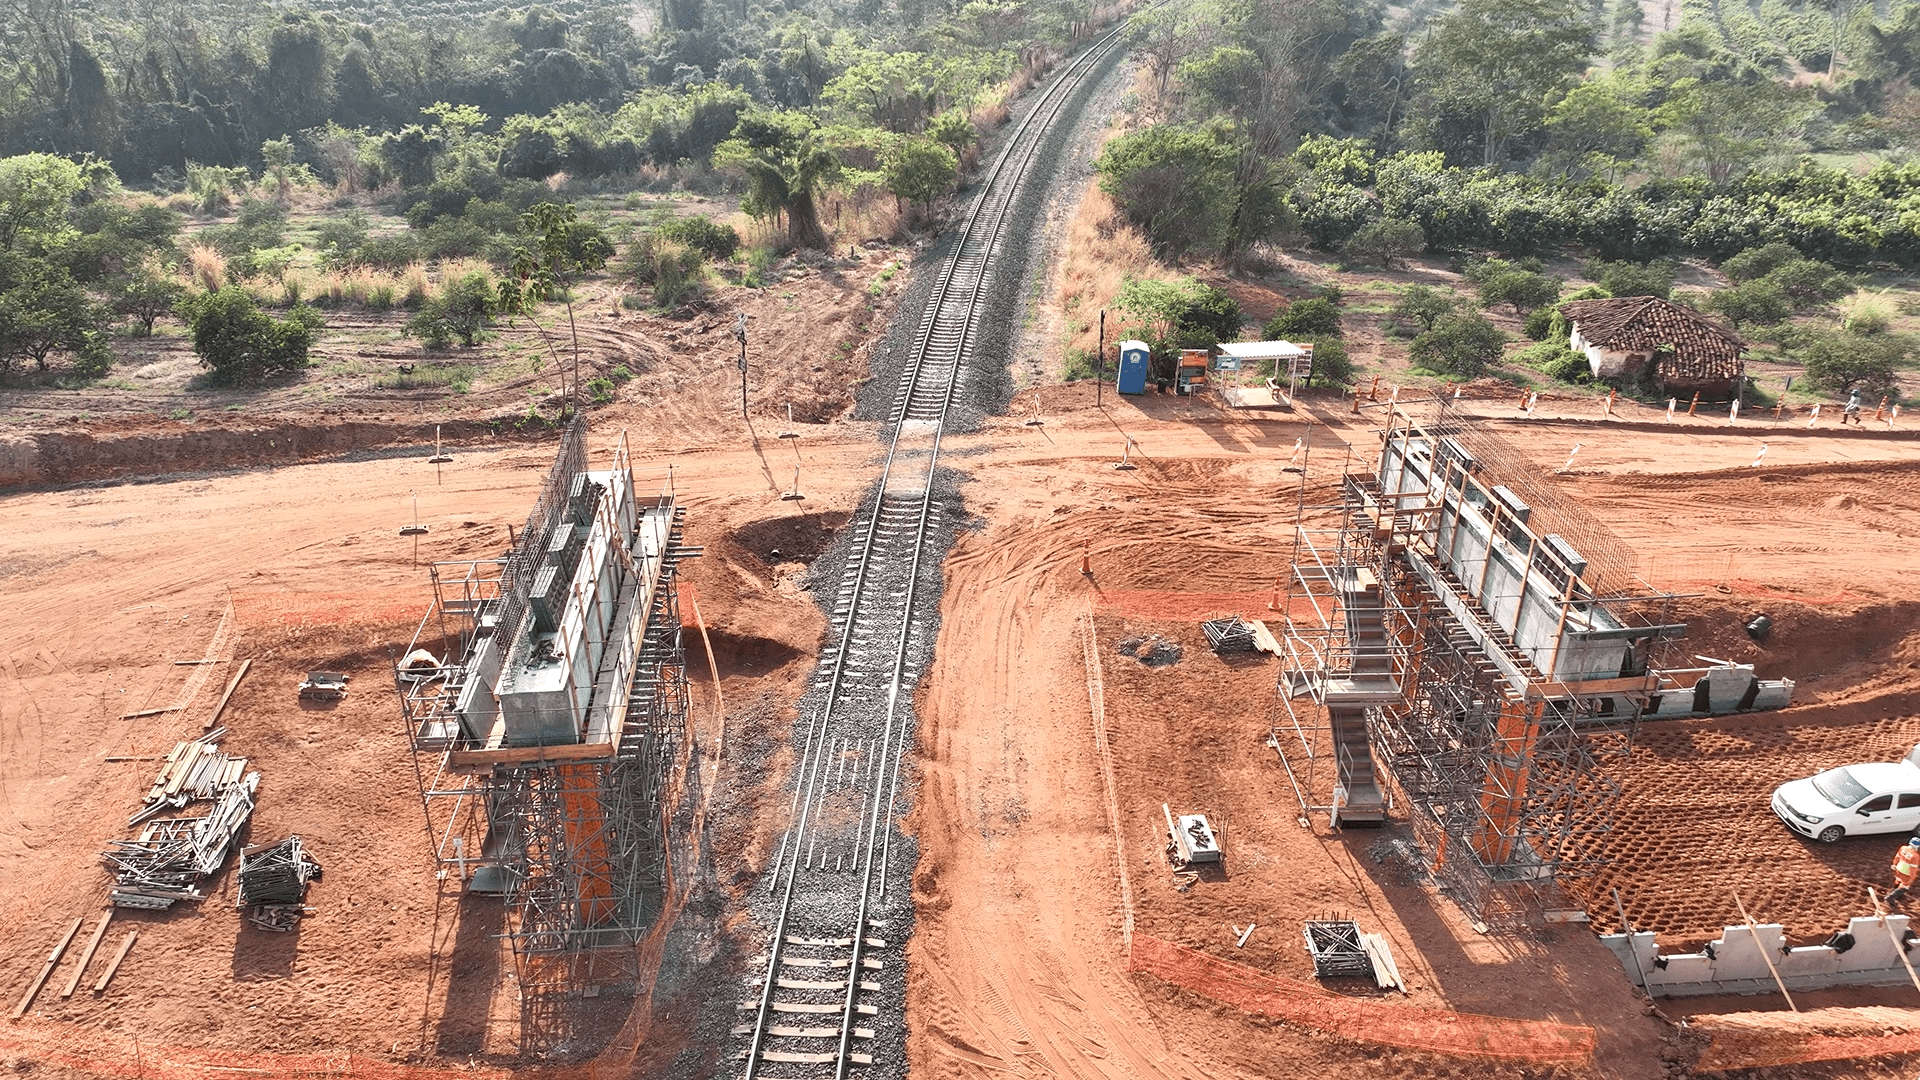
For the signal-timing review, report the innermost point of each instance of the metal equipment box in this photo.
(1197, 841)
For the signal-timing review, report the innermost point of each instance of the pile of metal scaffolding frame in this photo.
(1497, 649)
(545, 697)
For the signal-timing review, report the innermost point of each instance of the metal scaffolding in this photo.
(561, 806)
(1519, 651)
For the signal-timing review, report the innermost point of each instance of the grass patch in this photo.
(455, 377)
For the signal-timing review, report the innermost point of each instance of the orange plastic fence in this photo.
(1405, 1026)
(125, 1056)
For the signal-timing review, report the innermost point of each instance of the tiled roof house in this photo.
(1621, 336)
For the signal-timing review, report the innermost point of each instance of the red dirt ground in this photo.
(1019, 962)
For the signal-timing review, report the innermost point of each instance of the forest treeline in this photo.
(1522, 126)
(589, 86)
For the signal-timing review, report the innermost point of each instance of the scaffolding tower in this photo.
(1486, 643)
(545, 699)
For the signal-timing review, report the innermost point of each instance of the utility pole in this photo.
(1100, 364)
(740, 335)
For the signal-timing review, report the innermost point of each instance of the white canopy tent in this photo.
(1295, 362)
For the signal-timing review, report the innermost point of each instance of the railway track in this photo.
(832, 990)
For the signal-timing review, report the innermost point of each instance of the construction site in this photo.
(855, 714)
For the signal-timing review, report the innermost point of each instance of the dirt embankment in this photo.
(82, 452)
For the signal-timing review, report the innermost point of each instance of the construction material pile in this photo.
(170, 857)
(1231, 634)
(1153, 651)
(273, 883)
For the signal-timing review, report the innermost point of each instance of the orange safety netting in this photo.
(121, 1055)
(1406, 1026)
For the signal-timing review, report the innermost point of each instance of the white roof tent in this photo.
(1263, 350)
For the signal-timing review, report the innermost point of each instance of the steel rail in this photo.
(968, 267)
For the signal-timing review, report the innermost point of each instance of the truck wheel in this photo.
(1831, 833)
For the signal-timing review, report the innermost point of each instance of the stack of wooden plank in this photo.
(171, 855)
(194, 770)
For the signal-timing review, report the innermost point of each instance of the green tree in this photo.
(241, 343)
(703, 234)
(1331, 364)
(1424, 305)
(919, 170)
(1463, 344)
(1757, 262)
(144, 297)
(1594, 128)
(1180, 184)
(463, 310)
(1840, 361)
(563, 247)
(35, 191)
(1734, 127)
(785, 160)
(44, 311)
(1384, 241)
(1181, 314)
(1633, 279)
(952, 130)
(1524, 289)
(1487, 69)
(1752, 303)
(1304, 320)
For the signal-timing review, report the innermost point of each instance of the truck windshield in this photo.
(1838, 787)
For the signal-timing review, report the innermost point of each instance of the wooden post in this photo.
(1373, 393)
(231, 687)
(1765, 953)
(126, 946)
(1696, 403)
(86, 957)
(40, 980)
(1880, 413)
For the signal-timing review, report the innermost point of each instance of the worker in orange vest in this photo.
(1906, 868)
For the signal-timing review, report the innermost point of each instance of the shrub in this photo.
(145, 298)
(1838, 361)
(1462, 343)
(462, 310)
(1755, 263)
(1304, 320)
(1385, 240)
(1632, 278)
(703, 234)
(1524, 289)
(1423, 304)
(1539, 322)
(1331, 364)
(1753, 303)
(242, 343)
(1556, 360)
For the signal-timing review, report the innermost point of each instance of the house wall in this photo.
(1606, 363)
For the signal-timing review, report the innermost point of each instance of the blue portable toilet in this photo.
(1133, 367)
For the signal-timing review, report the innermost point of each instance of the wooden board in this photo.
(224, 698)
(126, 946)
(1263, 638)
(86, 957)
(40, 980)
(1386, 973)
